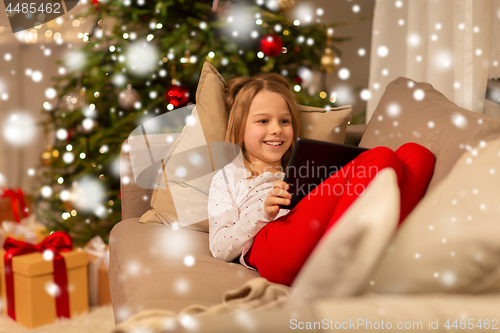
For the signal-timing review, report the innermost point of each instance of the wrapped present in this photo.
(29, 230)
(98, 253)
(43, 282)
(14, 205)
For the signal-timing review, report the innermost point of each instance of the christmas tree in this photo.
(143, 59)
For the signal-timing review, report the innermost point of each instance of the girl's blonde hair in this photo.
(240, 93)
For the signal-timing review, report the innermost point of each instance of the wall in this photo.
(336, 11)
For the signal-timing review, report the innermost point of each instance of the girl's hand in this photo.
(278, 196)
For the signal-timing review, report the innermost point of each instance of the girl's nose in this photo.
(276, 128)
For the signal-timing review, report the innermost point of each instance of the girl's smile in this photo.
(274, 144)
(268, 131)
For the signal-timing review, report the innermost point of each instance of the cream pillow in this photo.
(343, 261)
(187, 202)
(451, 240)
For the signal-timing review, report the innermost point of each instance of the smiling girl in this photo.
(245, 219)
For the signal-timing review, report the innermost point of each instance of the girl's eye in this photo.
(265, 121)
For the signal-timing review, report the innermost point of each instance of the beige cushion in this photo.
(343, 261)
(183, 201)
(136, 199)
(186, 203)
(213, 123)
(434, 122)
(319, 124)
(417, 312)
(450, 242)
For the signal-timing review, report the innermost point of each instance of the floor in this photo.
(97, 320)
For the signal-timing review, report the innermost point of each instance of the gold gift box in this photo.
(6, 213)
(103, 294)
(32, 274)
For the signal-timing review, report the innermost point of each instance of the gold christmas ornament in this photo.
(128, 97)
(68, 205)
(47, 157)
(328, 61)
(286, 5)
(74, 100)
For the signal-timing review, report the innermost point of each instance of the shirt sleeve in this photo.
(228, 231)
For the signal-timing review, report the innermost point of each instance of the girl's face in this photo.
(268, 131)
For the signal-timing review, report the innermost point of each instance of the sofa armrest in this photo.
(147, 269)
(354, 134)
(136, 199)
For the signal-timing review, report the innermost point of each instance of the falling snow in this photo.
(19, 129)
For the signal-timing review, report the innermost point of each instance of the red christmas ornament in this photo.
(71, 133)
(96, 4)
(177, 95)
(297, 79)
(271, 45)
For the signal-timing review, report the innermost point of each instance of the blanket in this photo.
(255, 294)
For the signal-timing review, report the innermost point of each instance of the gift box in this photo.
(45, 284)
(14, 205)
(28, 230)
(98, 254)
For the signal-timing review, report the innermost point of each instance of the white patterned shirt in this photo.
(236, 210)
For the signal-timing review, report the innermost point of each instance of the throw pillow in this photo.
(449, 243)
(187, 202)
(323, 125)
(209, 126)
(344, 259)
(412, 111)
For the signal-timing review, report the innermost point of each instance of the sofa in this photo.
(440, 268)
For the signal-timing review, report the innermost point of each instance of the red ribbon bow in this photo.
(57, 242)
(16, 201)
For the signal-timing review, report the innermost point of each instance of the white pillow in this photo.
(343, 261)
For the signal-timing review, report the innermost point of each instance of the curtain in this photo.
(452, 44)
(21, 93)
(25, 96)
